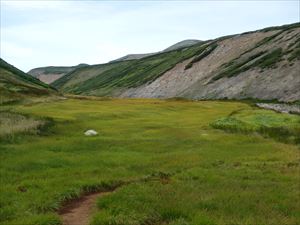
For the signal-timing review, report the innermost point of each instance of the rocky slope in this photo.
(16, 85)
(261, 64)
(51, 73)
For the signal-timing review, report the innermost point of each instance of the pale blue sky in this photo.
(41, 33)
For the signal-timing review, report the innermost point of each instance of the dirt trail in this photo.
(78, 212)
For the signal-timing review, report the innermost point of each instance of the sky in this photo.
(66, 33)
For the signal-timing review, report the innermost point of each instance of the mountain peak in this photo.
(181, 44)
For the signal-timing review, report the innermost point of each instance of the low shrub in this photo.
(203, 53)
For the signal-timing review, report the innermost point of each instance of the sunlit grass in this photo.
(212, 176)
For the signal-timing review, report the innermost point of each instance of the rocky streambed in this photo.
(283, 108)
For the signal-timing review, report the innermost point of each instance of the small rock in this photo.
(90, 133)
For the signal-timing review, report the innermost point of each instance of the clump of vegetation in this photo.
(13, 124)
(295, 55)
(231, 124)
(269, 60)
(295, 44)
(233, 68)
(259, 59)
(294, 49)
(202, 54)
(285, 128)
(268, 39)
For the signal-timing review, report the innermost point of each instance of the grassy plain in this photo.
(199, 175)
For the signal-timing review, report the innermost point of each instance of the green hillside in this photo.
(108, 79)
(15, 84)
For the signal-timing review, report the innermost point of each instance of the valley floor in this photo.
(174, 163)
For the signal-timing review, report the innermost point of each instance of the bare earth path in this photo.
(78, 212)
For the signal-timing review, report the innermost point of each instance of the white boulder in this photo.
(90, 133)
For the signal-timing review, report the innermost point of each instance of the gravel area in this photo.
(283, 108)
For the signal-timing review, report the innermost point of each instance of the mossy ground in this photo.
(209, 176)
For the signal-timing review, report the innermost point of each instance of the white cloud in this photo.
(12, 49)
(34, 4)
(71, 32)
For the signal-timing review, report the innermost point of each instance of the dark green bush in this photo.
(202, 55)
(269, 60)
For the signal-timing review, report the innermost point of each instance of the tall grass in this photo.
(12, 124)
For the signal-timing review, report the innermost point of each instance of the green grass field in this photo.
(188, 172)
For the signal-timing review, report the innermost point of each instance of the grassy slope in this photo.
(15, 84)
(211, 176)
(120, 75)
(21, 75)
(71, 80)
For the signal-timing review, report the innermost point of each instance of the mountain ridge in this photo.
(181, 44)
(49, 74)
(261, 64)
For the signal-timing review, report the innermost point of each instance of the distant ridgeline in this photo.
(51, 73)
